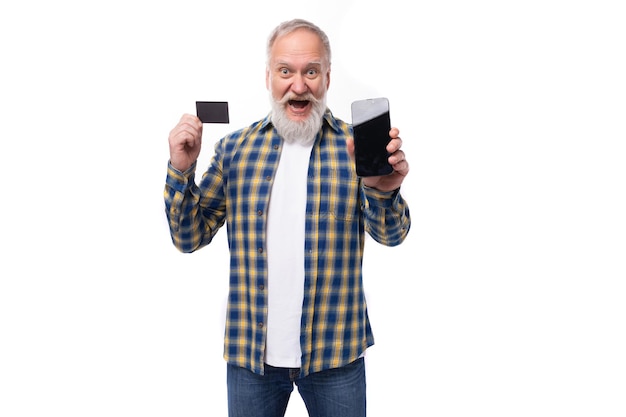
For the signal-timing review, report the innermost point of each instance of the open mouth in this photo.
(299, 104)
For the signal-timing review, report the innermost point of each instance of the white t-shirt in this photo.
(285, 256)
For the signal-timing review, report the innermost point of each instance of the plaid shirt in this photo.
(235, 189)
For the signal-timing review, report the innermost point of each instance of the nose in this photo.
(299, 85)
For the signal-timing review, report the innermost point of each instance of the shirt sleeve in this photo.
(386, 213)
(194, 213)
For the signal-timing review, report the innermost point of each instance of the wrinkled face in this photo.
(298, 74)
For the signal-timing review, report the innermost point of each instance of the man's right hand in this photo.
(185, 142)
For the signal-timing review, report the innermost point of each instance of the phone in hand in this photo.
(371, 125)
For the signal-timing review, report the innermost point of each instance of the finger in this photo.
(191, 129)
(394, 145)
(187, 121)
(183, 135)
(190, 118)
(401, 166)
(350, 146)
(397, 157)
(188, 137)
(192, 122)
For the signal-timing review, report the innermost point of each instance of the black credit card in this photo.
(212, 111)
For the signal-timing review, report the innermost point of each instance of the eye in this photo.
(312, 72)
(283, 71)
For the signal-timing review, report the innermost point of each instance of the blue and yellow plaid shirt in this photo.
(236, 189)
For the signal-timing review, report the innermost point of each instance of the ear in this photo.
(267, 78)
(327, 79)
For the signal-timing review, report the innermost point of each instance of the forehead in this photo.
(300, 44)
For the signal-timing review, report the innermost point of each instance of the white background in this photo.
(507, 298)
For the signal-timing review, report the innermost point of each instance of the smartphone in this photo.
(212, 111)
(371, 125)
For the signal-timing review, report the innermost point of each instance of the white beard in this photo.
(303, 132)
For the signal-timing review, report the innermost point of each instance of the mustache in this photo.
(291, 96)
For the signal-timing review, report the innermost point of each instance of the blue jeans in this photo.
(336, 392)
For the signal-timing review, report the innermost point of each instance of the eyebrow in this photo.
(287, 64)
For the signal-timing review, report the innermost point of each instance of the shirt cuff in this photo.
(384, 199)
(179, 180)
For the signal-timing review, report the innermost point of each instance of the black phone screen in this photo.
(371, 138)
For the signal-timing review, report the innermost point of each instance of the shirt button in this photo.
(260, 250)
(275, 147)
(268, 178)
(260, 212)
(261, 325)
(261, 287)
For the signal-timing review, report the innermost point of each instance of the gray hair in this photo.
(289, 26)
